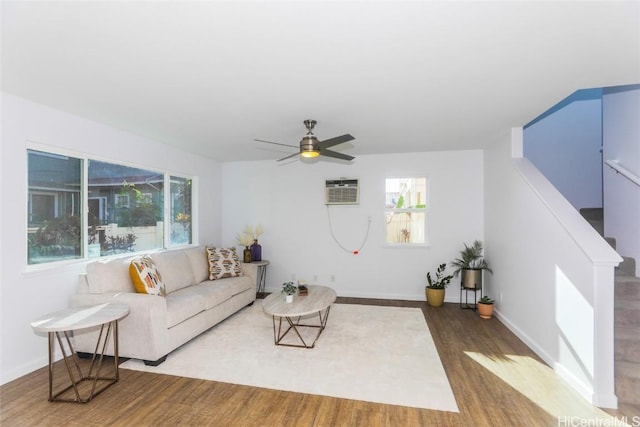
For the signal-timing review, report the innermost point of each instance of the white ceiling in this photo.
(210, 76)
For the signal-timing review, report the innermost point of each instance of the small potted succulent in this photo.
(289, 289)
(485, 307)
(434, 291)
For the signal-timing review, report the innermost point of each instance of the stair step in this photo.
(622, 277)
(592, 213)
(628, 265)
(611, 241)
(598, 225)
(628, 382)
(627, 287)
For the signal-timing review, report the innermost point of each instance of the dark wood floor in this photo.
(496, 379)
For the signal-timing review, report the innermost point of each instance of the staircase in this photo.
(627, 320)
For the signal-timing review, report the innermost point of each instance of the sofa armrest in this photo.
(142, 333)
(83, 284)
(251, 270)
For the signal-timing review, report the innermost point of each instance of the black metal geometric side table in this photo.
(261, 275)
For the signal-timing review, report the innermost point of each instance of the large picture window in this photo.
(406, 211)
(125, 208)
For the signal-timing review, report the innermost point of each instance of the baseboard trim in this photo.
(452, 295)
(22, 370)
(601, 401)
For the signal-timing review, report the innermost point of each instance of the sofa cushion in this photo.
(223, 262)
(109, 276)
(182, 305)
(199, 263)
(215, 292)
(145, 276)
(175, 268)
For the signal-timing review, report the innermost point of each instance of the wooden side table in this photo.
(60, 324)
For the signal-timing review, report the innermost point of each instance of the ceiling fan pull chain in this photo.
(366, 236)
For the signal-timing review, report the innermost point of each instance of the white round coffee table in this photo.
(318, 300)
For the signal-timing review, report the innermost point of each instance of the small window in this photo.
(122, 200)
(406, 211)
(145, 199)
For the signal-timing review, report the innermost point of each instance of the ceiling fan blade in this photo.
(335, 141)
(289, 156)
(276, 143)
(335, 154)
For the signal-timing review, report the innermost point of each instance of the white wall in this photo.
(26, 295)
(621, 136)
(553, 274)
(565, 147)
(288, 200)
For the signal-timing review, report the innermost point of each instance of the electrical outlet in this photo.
(500, 296)
(315, 277)
(293, 277)
(333, 278)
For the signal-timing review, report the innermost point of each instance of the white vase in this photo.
(289, 298)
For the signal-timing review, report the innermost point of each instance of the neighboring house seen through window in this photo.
(54, 206)
(125, 208)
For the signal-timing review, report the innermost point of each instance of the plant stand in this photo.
(466, 304)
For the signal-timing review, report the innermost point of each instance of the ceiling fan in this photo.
(311, 147)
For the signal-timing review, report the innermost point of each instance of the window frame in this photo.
(424, 210)
(122, 201)
(168, 206)
(84, 196)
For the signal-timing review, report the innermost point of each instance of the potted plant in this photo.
(485, 307)
(470, 266)
(434, 291)
(289, 290)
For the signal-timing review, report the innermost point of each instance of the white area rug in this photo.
(369, 353)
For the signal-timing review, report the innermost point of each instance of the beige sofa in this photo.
(157, 325)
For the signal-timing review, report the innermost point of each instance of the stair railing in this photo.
(616, 166)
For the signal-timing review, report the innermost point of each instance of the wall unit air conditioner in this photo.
(343, 191)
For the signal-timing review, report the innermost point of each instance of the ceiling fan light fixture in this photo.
(310, 154)
(309, 147)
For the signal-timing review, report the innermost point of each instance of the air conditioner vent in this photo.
(342, 192)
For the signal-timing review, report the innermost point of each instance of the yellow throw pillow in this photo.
(223, 262)
(146, 277)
